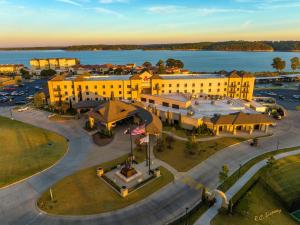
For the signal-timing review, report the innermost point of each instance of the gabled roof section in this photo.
(114, 110)
(58, 78)
(141, 76)
(241, 118)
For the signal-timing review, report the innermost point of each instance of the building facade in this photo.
(53, 63)
(10, 68)
(132, 87)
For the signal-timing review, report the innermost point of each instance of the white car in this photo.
(23, 109)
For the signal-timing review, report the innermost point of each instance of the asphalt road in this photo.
(18, 202)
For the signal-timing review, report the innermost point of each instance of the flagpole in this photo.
(146, 145)
(131, 150)
(149, 163)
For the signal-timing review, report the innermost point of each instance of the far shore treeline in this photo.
(199, 46)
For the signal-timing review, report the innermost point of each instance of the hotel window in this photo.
(96, 87)
(193, 91)
(218, 90)
(120, 86)
(73, 98)
(177, 91)
(238, 89)
(177, 85)
(175, 106)
(86, 87)
(96, 99)
(209, 90)
(163, 85)
(170, 91)
(162, 91)
(66, 93)
(87, 93)
(170, 85)
(201, 91)
(209, 84)
(111, 86)
(225, 83)
(73, 92)
(225, 89)
(88, 99)
(219, 84)
(128, 86)
(103, 86)
(120, 92)
(201, 84)
(185, 85)
(143, 99)
(72, 86)
(129, 92)
(151, 101)
(239, 83)
(96, 93)
(193, 85)
(165, 104)
(104, 93)
(66, 99)
(65, 86)
(185, 91)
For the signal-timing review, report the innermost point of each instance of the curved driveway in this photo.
(17, 203)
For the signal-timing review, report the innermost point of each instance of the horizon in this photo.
(113, 22)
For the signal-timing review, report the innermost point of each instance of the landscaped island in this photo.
(26, 150)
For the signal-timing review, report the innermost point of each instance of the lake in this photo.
(205, 61)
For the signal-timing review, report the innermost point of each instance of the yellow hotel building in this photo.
(10, 68)
(53, 63)
(132, 87)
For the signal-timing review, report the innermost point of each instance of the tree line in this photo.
(210, 46)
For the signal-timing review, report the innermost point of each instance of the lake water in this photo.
(205, 61)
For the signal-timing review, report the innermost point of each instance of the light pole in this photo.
(277, 144)
(186, 215)
(240, 170)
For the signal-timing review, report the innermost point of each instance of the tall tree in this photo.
(278, 64)
(48, 73)
(161, 67)
(147, 64)
(295, 63)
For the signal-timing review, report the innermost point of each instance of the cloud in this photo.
(172, 9)
(113, 1)
(101, 10)
(71, 2)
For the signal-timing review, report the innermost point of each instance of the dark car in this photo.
(20, 102)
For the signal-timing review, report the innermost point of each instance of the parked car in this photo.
(20, 103)
(23, 109)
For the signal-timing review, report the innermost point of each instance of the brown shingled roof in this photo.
(242, 118)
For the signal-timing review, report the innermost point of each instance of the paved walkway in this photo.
(208, 216)
(240, 134)
(18, 202)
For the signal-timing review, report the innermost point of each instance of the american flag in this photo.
(139, 130)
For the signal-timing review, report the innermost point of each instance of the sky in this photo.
(71, 22)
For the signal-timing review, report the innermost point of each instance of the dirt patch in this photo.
(102, 140)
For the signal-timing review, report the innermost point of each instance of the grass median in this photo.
(26, 150)
(83, 193)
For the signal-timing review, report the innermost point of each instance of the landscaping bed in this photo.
(101, 140)
(182, 159)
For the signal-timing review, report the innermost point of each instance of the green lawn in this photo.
(83, 193)
(182, 161)
(26, 150)
(181, 132)
(260, 201)
(298, 108)
(284, 180)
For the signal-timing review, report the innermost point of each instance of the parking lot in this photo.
(12, 95)
(284, 97)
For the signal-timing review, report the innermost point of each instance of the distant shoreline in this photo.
(230, 46)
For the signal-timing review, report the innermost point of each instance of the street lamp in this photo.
(240, 169)
(186, 215)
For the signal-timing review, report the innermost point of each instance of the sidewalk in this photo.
(207, 217)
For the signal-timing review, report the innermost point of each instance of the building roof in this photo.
(114, 110)
(241, 118)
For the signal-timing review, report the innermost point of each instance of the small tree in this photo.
(161, 67)
(39, 99)
(223, 174)
(169, 141)
(295, 63)
(147, 64)
(278, 64)
(48, 73)
(160, 146)
(191, 145)
(270, 164)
